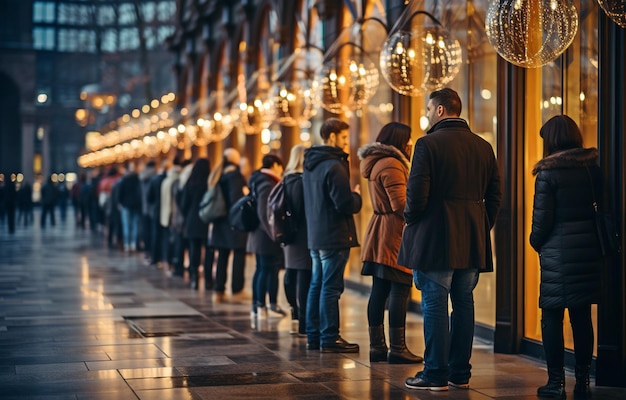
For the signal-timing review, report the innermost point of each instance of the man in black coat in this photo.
(330, 204)
(453, 195)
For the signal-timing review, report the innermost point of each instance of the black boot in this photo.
(555, 388)
(378, 345)
(581, 389)
(398, 352)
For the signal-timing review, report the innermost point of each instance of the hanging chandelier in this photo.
(531, 33)
(419, 56)
(294, 94)
(616, 10)
(348, 78)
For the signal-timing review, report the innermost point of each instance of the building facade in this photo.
(261, 76)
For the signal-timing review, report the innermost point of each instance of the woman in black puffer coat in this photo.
(565, 236)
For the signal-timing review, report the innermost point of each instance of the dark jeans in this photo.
(552, 335)
(265, 280)
(322, 312)
(45, 211)
(398, 295)
(157, 253)
(195, 256)
(181, 244)
(448, 343)
(237, 278)
(296, 283)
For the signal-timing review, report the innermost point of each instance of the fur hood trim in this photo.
(380, 150)
(572, 158)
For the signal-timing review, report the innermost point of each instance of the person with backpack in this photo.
(223, 237)
(297, 257)
(268, 254)
(385, 165)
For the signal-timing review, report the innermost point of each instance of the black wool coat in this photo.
(297, 254)
(453, 196)
(192, 194)
(563, 228)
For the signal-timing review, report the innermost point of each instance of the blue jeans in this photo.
(322, 309)
(448, 343)
(130, 223)
(265, 280)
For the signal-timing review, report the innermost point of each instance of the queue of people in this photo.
(433, 209)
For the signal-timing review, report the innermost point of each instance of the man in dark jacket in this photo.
(130, 202)
(330, 205)
(453, 195)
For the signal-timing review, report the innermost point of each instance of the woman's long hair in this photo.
(199, 172)
(397, 135)
(296, 159)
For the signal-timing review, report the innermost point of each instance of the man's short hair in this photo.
(332, 125)
(447, 98)
(271, 159)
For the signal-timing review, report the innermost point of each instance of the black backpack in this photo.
(282, 227)
(243, 215)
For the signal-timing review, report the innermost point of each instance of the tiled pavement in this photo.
(80, 321)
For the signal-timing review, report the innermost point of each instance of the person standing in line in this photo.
(195, 229)
(153, 200)
(329, 205)
(298, 263)
(452, 199)
(181, 242)
(385, 165)
(145, 229)
(568, 180)
(223, 237)
(166, 211)
(268, 254)
(49, 195)
(130, 203)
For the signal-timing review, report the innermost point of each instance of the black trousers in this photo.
(552, 335)
(237, 278)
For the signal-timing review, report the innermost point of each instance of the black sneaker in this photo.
(340, 346)
(312, 346)
(420, 384)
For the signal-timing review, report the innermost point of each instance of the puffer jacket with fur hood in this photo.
(563, 228)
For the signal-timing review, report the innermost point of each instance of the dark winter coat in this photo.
(191, 196)
(130, 192)
(453, 196)
(223, 236)
(49, 194)
(386, 170)
(297, 254)
(259, 241)
(153, 196)
(563, 228)
(328, 199)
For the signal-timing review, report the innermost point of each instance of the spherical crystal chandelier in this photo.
(348, 78)
(294, 95)
(294, 102)
(347, 84)
(255, 115)
(531, 33)
(616, 10)
(420, 56)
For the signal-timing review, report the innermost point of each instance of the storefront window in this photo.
(569, 85)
